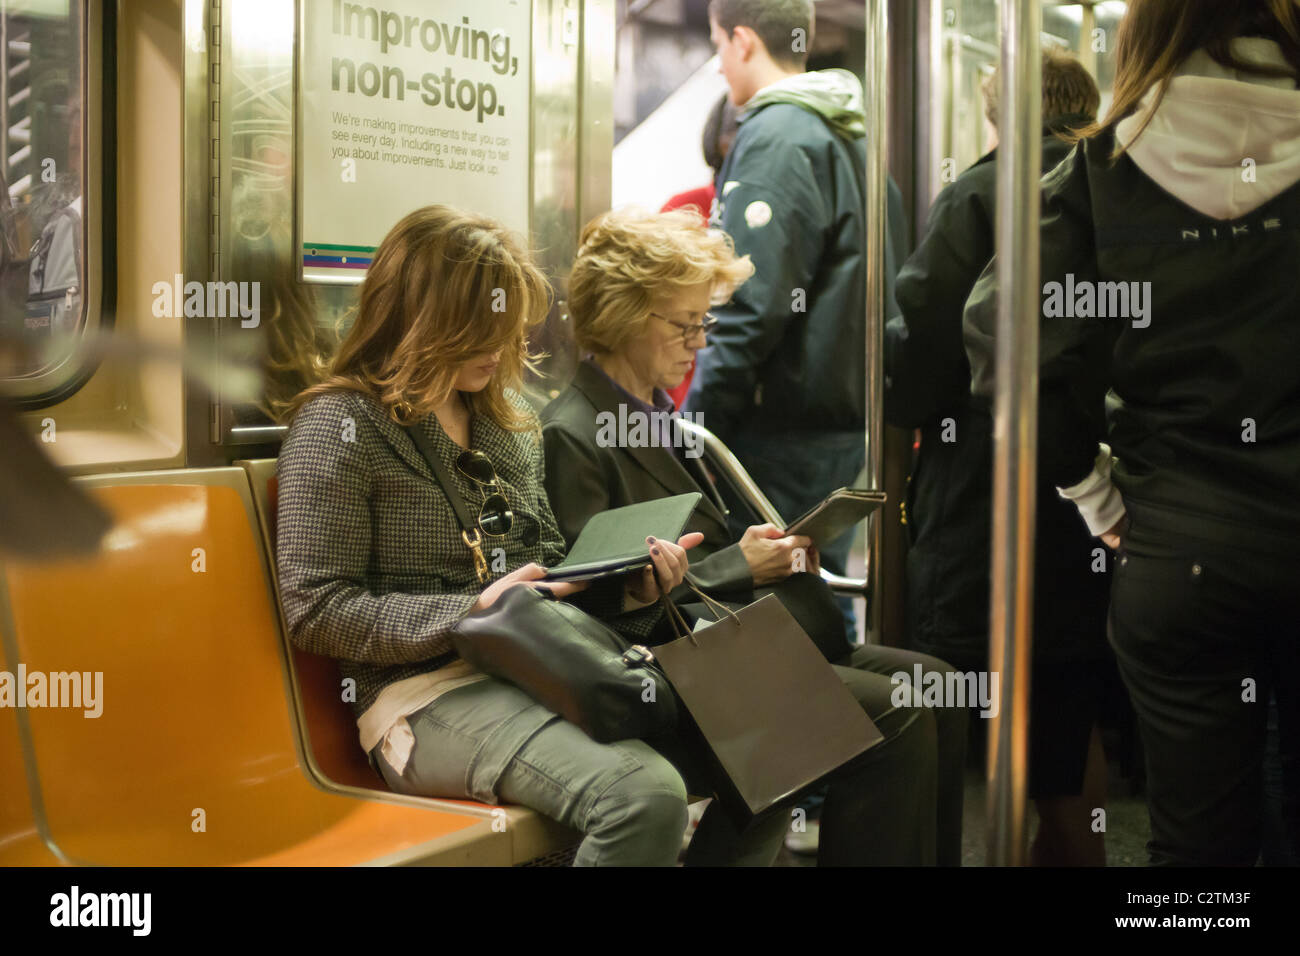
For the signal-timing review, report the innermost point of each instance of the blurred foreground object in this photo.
(42, 515)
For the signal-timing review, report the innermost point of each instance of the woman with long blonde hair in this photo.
(375, 570)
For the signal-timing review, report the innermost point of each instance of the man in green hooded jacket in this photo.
(782, 380)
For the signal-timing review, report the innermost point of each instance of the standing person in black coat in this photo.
(950, 499)
(1169, 403)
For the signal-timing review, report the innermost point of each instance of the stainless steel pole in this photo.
(876, 198)
(1015, 423)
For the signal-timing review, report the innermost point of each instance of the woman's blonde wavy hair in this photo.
(629, 258)
(444, 286)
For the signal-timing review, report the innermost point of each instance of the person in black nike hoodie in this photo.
(1171, 330)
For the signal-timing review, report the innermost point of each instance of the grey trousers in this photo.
(901, 806)
(626, 798)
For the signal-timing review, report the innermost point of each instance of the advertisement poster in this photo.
(403, 104)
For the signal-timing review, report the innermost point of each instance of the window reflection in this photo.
(42, 215)
(300, 324)
(970, 51)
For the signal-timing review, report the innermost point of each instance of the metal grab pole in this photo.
(1015, 424)
(876, 198)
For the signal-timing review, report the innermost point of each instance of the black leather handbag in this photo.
(562, 657)
(570, 663)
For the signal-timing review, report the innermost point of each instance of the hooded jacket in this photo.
(789, 351)
(1171, 311)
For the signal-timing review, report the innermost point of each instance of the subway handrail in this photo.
(727, 463)
(734, 471)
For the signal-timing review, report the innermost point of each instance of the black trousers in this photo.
(1205, 624)
(902, 804)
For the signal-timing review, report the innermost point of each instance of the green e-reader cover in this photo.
(613, 541)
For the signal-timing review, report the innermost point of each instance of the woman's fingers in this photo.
(668, 563)
(562, 589)
(670, 559)
(675, 551)
(649, 587)
(671, 554)
(529, 572)
(640, 587)
(687, 541)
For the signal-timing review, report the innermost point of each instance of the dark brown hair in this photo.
(444, 286)
(1068, 88)
(774, 21)
(1156, 36)
(719, 131)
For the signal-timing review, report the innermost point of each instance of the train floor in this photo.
(1127, 826)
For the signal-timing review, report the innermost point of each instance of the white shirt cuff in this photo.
(1096, 497)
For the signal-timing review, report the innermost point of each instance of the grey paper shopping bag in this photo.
(772, 713)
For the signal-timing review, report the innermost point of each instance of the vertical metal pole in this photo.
(876, 198)
(4, 101)
(1015, 423)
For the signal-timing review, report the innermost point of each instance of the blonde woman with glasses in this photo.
(639, 296)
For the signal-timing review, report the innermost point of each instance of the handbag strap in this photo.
(675, 618)
(440, 474)
(469, 532)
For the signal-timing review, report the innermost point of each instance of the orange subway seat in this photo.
(333, 752)
(194, 759)
(20, 841)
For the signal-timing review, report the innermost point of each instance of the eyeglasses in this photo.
(495, 517)
(690, 331)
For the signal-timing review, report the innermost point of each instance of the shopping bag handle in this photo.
(677, 620)
(714, 605)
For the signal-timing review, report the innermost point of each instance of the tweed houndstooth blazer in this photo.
(372, 567)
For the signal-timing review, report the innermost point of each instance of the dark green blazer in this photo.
(582, 479)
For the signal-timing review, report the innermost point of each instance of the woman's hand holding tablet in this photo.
(770, 553)
(528, 574)
(669, 561)
(838, 512)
